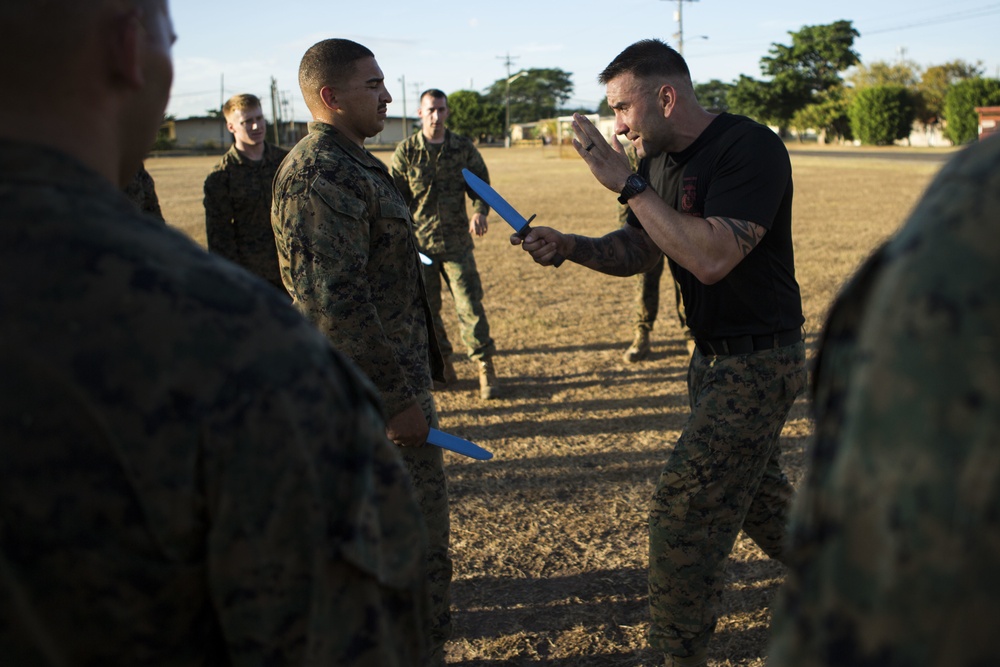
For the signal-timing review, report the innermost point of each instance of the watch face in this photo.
(633, 186)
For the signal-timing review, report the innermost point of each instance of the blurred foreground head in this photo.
(93, 78)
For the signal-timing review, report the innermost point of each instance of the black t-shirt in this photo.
(736, 168)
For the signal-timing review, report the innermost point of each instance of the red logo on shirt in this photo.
(689, 194)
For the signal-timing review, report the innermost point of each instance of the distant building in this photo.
(989, 120)
(207, 133)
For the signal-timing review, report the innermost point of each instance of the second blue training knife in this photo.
(495, 201)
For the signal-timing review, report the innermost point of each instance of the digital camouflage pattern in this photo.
(141, 190)
(434, 189)
(350, 262)
(238, 211)
(896, 533)
(426, 468)
(191, 475)
(462, 279)
(723, 475)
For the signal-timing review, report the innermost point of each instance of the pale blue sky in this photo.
(239, 46)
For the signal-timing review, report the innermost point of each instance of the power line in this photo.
(508, 61)
(952, 17)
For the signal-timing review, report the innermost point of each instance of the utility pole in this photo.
(679, 17)
(402, 81)
(275, 111)
(508, 61)
(416, 93)
(222, 102)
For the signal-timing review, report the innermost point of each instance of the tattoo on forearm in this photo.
(746, 233)
(611, 254)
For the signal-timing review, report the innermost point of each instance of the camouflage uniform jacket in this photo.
(191, 476)
(349, 260)
(142, 191)
(896, 535)
(238, 211)
(435, 191)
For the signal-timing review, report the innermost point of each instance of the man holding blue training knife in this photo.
(713, 193)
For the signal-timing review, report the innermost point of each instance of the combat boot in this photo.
(489, 385)
(639, 349)
(697, 660)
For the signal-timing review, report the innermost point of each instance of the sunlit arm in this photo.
(623, 252)
(707, 247)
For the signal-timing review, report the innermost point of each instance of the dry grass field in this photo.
(549, 537)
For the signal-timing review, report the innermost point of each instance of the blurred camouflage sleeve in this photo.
(141, 190)
(398, 168)
(896, 534)
(298, 522)
(219, 229)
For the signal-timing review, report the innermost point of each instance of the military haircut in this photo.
(326, 63)
(48, 30)
(435, 93)
(645, 59)
(45, 29)
(240, 102)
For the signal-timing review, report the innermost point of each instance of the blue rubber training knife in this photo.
(495, 201)
(458, 445)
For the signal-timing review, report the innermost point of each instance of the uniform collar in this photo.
(358, 153)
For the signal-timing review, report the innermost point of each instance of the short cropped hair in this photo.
(646, 58)
(240, 102)
(435, 93)
(326, 63)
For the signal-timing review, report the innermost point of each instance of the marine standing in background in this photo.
(647, 295)
(427, 168)
(238, 192)
(191, 475)
(714, 194)
(141, 190)
(894, 556)
(350, 263)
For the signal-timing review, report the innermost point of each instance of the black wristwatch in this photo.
(633, 186)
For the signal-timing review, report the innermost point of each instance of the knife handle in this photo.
(557, 260)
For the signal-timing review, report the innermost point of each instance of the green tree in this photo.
(829, 115)
(807, 67)
(540, 93)
(472, 116)
(934, 85)
(712, 95)
(882, 114)
(960, 107)
(881, 73)
(754, 98)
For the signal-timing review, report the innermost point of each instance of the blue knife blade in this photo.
(496, 201)
(458, 445)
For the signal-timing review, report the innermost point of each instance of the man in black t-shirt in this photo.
(714, 194)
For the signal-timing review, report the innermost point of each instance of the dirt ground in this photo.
(549, 537)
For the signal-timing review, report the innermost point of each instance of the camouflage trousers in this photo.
(462, 279)
(723, 475)
(647, 299)
(426, 467)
